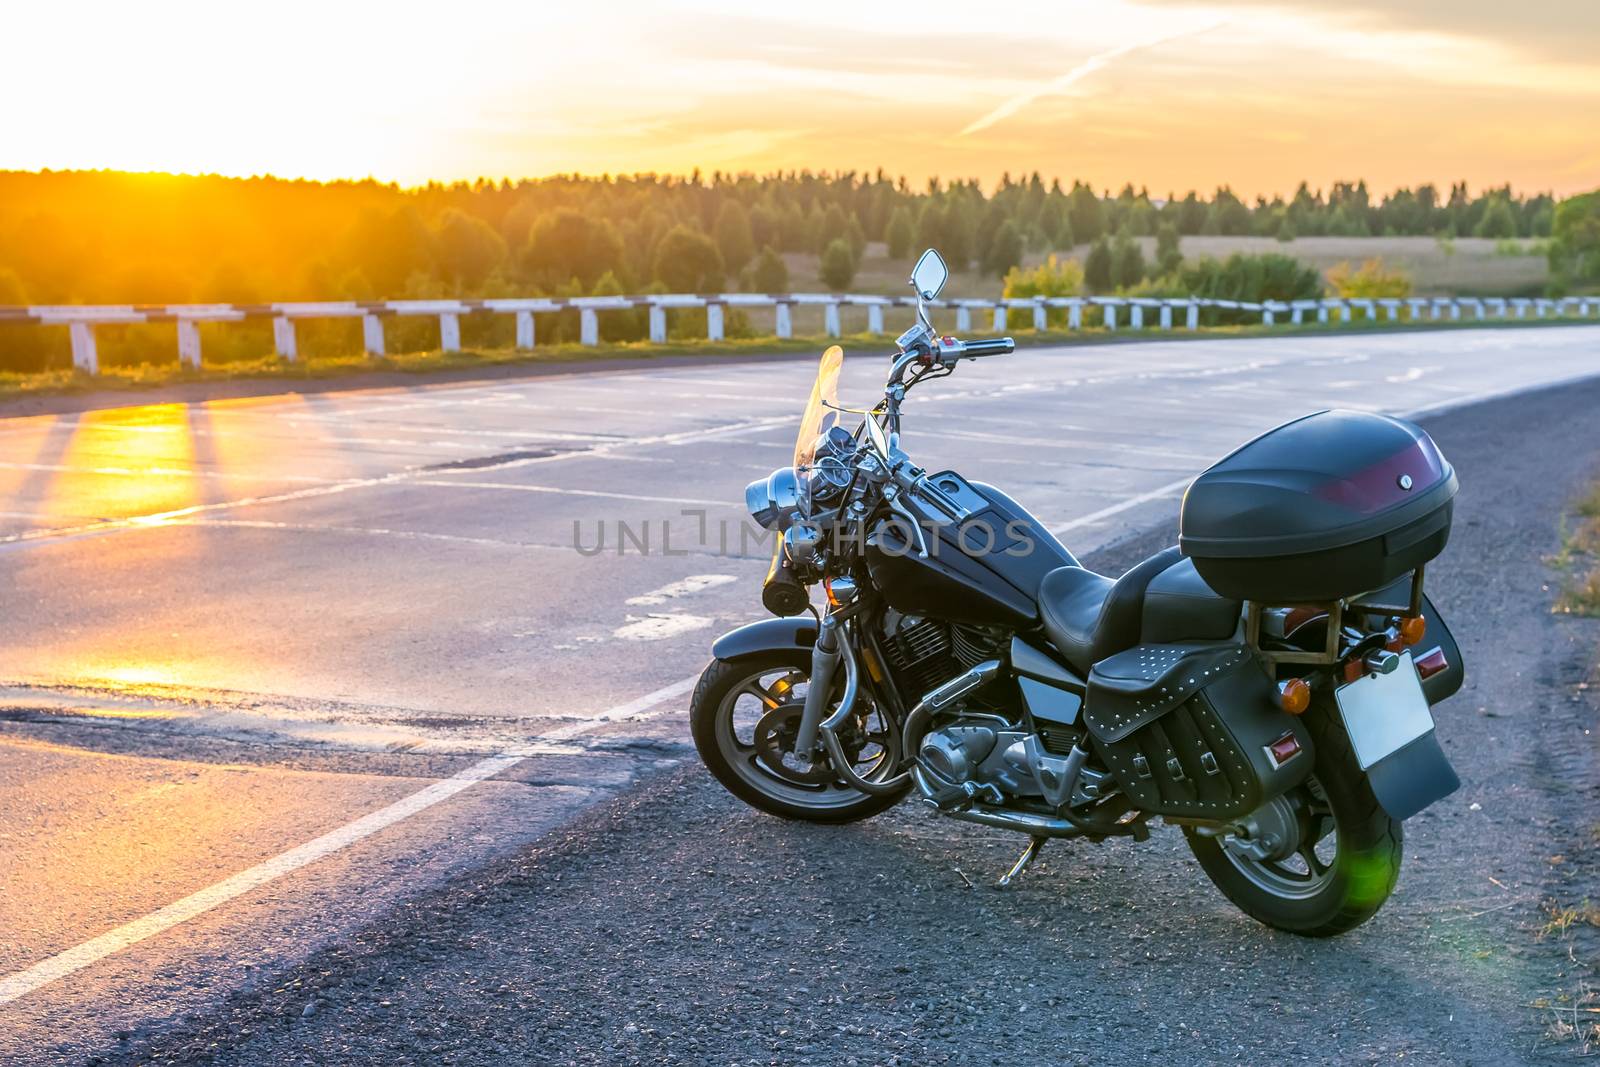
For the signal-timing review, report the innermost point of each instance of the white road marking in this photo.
(686, 587)
(75, 959)
(1170, 489)
(521, 488)
(659, 627)
(62, 964)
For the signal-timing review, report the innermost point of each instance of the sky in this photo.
(1167, 94)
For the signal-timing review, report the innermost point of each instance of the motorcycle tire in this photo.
(1366, 859)
(742, 773)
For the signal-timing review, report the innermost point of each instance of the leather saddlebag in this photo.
(1194, 730)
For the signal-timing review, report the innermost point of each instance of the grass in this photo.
(1574, 1017)
(129, 376)
(1579, 557)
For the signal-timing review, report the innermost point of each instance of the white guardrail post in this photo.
(372, 333)
(81, 320)
(283, 339)
(85, 356)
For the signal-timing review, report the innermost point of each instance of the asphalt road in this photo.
(240, 629)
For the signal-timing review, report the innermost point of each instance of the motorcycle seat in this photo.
(1088, 616)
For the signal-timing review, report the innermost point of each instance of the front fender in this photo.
(768, 635)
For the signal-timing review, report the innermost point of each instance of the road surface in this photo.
(273, 665)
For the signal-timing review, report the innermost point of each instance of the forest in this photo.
(112, 237)
(107, 237)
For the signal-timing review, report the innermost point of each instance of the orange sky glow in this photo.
(1167, 94)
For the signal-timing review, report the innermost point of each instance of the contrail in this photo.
(1075, 75)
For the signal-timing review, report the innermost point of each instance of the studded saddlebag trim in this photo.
(1186, 730)
(1136, 687)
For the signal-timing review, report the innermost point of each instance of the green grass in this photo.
(1579, 557)
(312, 367)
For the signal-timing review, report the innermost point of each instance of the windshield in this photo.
(821, 414)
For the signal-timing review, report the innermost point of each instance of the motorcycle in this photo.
(1265, 686)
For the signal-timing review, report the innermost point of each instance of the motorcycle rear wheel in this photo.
(1339, 875)
(742, 718)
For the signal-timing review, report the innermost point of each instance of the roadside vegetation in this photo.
(114, 238)
(1572, 1017)
(1578, 560)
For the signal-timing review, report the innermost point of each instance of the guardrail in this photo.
(81, 320)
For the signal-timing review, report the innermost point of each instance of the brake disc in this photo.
(774, 738)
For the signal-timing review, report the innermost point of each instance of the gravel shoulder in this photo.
(674, 925)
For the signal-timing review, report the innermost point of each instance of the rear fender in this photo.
(1409, 780)
(768, 635)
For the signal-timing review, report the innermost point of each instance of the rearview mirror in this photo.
(929, 275)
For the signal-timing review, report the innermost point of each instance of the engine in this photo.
(925, 653)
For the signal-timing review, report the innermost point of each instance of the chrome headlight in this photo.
(774, 501)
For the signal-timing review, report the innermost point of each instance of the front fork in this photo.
(825, 656)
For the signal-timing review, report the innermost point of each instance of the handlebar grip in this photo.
(992, 346)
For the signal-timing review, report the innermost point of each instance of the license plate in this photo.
(1384, 713)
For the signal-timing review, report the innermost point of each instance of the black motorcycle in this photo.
(1265, 685)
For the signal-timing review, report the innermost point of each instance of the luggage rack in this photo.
(1335, 611)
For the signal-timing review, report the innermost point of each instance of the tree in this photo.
(1054, 226)
(838, 268)
(735, 240)
(1085, 213)
(1127, 261)
(386, 247)
(1005, 250)
(1097, 267)
(11, 291)
(1498, 221)
(1575, 241)
(769, 274)
(899, 233)
(569, 244)
(833, 225)
(957, 235)
(688, 262)
(930, 226)
(1169, 254)
(468, 250)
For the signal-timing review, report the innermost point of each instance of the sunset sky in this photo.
(1165, 93)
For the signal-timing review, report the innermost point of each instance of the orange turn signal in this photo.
(1294, 696)
(1412, 629)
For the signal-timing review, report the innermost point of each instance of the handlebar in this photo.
(951, 349)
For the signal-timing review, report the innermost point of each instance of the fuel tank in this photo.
(983, 569)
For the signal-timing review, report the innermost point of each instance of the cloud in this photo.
(1075, 75)
(1562, 31)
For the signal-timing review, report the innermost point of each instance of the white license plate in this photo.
(1384, 713)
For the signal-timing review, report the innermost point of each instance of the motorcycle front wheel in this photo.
(1322, 859)
(744, 717)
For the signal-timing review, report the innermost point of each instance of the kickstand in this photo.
(1024, 861)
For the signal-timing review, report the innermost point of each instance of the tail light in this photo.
(1431, 663)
